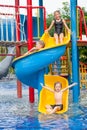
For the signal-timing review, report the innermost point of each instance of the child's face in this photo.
(38, 45)
(57, 15)
(57, 87)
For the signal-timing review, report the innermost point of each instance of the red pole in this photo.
(30, 40)
(19, 89)
(17, 20)
(18, 53)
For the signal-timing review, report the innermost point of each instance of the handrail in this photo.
(16, 23)
(82, 18)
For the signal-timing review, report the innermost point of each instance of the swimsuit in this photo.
(58, 26)
(57, 105)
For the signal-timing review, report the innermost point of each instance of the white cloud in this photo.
(52, 5)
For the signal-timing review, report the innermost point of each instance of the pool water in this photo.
(19, 114)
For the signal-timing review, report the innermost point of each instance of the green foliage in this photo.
(23, 50)
(49, 20)
(2, 50)
(65, 10)
(83, 54)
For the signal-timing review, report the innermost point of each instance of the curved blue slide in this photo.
(28, 68)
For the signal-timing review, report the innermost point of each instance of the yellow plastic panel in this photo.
(47, 97)
(50, 41)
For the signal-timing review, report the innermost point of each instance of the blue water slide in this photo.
(27, 67)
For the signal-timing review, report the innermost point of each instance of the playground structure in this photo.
(22, 37)
(31, 69)
(17, 26)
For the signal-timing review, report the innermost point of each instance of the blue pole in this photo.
(40, 80)
(78, 70)
(41, 18)
(75, 68)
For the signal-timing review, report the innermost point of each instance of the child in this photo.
(58, 93)
(58, 23)
(40, 44)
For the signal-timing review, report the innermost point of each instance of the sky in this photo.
(50, 5)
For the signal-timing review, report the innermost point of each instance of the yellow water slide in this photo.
(47, 97)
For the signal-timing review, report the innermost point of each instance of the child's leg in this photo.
(57, 108)
(56, 38)
(48, 108)
(26, 53)
(61, 37)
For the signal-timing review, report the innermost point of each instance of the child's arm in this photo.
(66, 25)
(47, 87)
(31, 50)
(51, 25)
(68, 87)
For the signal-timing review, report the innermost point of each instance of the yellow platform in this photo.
(47, 97)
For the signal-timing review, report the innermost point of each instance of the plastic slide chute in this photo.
(50, 41)
(47, 97)
(29, 66)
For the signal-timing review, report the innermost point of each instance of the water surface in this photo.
(19, 114)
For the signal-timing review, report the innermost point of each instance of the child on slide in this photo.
(58, 23)
(40, 44)
(58, 93)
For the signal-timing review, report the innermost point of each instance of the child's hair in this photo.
(57, 12)
(42, 43)
(57, 83)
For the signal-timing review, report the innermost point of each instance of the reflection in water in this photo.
(20, 114)
(53, 121)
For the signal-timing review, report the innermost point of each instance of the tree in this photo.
(49, 20)
(65, 10)
(83, 54)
